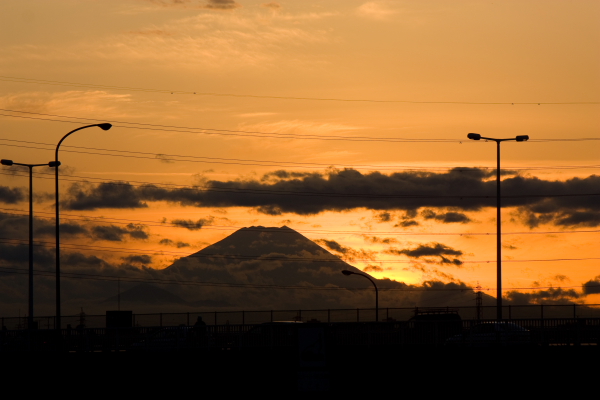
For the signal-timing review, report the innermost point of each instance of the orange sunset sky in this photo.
(365, 100)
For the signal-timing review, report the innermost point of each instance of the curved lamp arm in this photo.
(348, 273)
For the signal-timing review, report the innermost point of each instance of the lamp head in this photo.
(474, 136)
(54, 163)
(522, 138)
(105, 127)
(346, 272)
(6, 162)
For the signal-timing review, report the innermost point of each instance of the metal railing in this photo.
(510, 312)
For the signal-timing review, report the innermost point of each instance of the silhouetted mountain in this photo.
(146, 294)
(265, 256)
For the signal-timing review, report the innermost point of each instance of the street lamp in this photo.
(104, 127)
(30, 166)
(522, 138)
(347, 273)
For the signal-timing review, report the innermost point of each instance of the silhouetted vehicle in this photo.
(432, 326)
(488, 334)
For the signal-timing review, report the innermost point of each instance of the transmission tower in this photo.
(478, 301)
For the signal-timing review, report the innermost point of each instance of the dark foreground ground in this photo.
(416, 372)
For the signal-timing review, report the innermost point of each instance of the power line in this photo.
(187, 92)
(314, 194)
(334, 258)
(75, 217)
(231, 132)
(225, 132)
(238, 161)
(407, 288)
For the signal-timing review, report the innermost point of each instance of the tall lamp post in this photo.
(347, 273)
(30, 166)
(522, 138)
(104, 127)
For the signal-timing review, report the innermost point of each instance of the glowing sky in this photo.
(319, 76)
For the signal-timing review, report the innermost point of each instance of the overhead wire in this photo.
(123, 221)
(333, 259)
(407, 288)
(313, 194)
(238, 161)
(232, 132)
(198, 93)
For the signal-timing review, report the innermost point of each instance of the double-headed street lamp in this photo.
(522, 138)
(104, 127)
(30, 166)
(346, 272)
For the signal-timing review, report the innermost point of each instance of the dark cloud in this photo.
(16, 226)
(117, 234)
(406, 223)
(169, 3)
(383, 217)
(85, 196)
(437, 250)
(464, 189)
(348, 253)
(547, 296)
(592, 286)
(561, 278)
(375, 239)
(19, 254)
(191, 225)
(272, 5)
(222, 5)
(138, 259)
(165, 159)
(577, 218)
(282, 174)
(446, 218)
(81, 260)
(372, 268)
(169, 242)
(12, 195)
(46, 228)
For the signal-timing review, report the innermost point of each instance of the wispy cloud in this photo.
(377, 10)
(89, 102)
(221, 40)
(300, 127)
